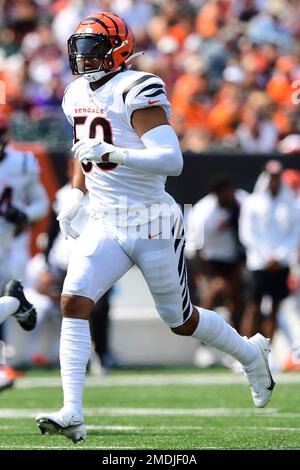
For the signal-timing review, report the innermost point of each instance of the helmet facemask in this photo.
(88, 54)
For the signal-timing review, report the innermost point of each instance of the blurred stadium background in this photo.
(232, 72)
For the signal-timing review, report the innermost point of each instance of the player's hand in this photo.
(68, 213)
(15, 216)
(91, 150)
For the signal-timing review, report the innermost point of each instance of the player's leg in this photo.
(258, 287)
(8, 306)
(234, 293)
(100, 329)
(269, 324)
(163, 266)
(5, 380)
(278, 291)
(95, 265)
(212, 284)
(15, 303)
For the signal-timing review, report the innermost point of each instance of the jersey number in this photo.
(107, 137)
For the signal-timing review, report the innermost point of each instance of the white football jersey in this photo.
(18, 172)
(106, 113)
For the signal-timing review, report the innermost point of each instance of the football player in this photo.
(23, 201)
(125, 148)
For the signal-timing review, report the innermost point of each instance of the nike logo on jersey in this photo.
(152, 101)
(153, 236)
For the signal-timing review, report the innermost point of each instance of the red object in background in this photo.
(40, 360)
(292, 179)
(291, 364)
(48, 179)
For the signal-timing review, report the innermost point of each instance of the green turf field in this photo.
(157, 410)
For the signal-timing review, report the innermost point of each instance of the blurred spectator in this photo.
(269, 231)
(190, 97)
(256, 133)
(290, 144)
(196, 140)
(213, 236)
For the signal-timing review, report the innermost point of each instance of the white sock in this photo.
(8, 306)
(213, 331)
(75, 348)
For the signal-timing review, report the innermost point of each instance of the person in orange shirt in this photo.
(226, 114)
(187, 93)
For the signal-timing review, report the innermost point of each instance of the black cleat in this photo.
(26, 313)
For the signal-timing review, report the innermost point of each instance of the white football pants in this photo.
(103, 254)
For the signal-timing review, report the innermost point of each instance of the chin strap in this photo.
(132, 57)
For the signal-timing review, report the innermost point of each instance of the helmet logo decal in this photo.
(85, 29)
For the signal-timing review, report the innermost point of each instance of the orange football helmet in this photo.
(101, 44)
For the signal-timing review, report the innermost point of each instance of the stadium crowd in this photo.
(229, 65)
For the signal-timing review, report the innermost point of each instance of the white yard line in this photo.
(120, 428)
(155, 380)
(96, 427)
(16, 413)
(184, 428)
(282, 429)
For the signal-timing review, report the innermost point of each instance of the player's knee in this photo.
(74, 306)
(188, 327)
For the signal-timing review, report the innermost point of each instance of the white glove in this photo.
(93, 150)
(68, 213)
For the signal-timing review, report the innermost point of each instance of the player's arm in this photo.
(78, 179)
(37, 200)
(73, 203)
(37, 203)
(145, 119)
(161, 155)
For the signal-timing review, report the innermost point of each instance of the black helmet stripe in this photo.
(91, 18)
(115, 24)
(126, 30)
